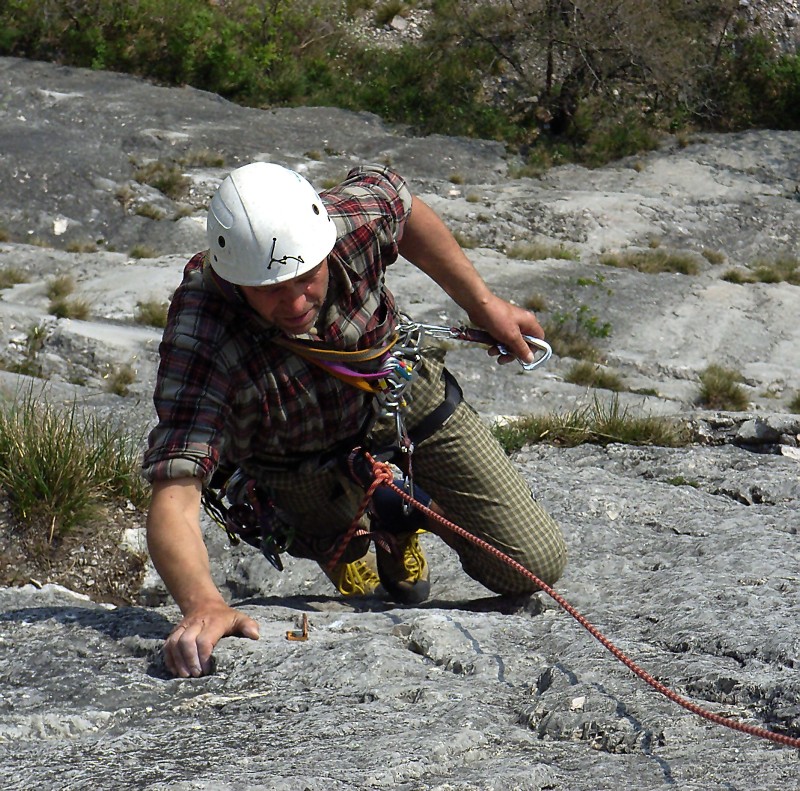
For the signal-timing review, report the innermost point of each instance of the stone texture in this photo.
(686, 558)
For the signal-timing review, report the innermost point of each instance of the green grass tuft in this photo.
(587, 374)
(720, 388)
(653, 261)
(594, 424)
(537, 251)
(58, 466)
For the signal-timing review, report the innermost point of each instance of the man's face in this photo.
(292, 306)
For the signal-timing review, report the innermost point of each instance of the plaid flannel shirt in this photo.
(225, 393)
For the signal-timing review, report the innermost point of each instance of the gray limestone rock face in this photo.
(686, 559)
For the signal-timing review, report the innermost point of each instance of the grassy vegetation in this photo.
(150, 211)
(166, 177)
(794, 403)
(713, 256)
(202, 158)
(142, 251)
(596, 424)
(653, 261)
(623, 73)
(60, 286)
(11, 276)
(573, 330)
(720, 388)
(575, 333)
(59, 466)
(537, 251)
(783, 269)
(81, 246)
(29, 365)
(119, 378)
(587, 374)
(69, 308)
(465, 241)
(62, 305)
(151, 313)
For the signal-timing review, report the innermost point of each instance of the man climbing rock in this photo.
(284, 351)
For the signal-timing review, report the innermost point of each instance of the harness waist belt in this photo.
(453, 396)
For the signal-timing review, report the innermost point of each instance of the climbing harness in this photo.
(383, 476)
(385, 372)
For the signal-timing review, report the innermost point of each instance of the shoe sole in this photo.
(405, 592)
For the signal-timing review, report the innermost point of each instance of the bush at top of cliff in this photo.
(592, 86)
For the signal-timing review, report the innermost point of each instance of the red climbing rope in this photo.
(383, 476)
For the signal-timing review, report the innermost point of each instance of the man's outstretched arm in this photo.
(179, 554)
(431, 247)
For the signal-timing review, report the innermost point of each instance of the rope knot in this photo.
(381, 471)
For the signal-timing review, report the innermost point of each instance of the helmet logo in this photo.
(283, 260)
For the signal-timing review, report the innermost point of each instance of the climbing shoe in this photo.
(357, 578)
(404, 571)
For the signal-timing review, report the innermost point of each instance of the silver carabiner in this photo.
(540, 345)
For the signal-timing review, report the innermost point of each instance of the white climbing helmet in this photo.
(266, 224)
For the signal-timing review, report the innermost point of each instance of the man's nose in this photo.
(296, 294)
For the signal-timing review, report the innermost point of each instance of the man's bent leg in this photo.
(469, 476)
(317, 509)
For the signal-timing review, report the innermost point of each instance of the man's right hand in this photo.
(188, 649)
(180, 557)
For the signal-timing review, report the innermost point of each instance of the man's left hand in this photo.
(507, 323)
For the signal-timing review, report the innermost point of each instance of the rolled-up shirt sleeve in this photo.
(191, 397)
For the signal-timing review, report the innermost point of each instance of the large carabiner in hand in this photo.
(540, 347)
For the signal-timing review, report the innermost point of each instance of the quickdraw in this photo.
(472, 335)
(238, 508)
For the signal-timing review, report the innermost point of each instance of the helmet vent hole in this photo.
(315, 208)
(221, 241)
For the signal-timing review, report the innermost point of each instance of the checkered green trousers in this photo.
(469, 476)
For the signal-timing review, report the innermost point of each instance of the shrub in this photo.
(574, 334)
(753, 86)
(794, 403)
(589, 86)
